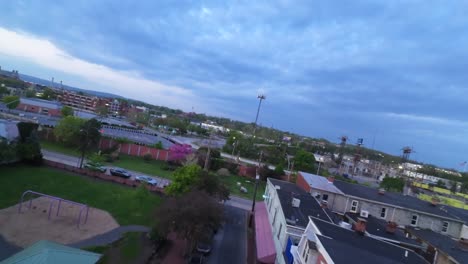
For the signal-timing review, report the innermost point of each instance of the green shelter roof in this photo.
(47, 252)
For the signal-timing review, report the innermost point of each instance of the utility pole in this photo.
(208, 153)
(260, 97)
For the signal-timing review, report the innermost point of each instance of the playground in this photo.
(54, 219)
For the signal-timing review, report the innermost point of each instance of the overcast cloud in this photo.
(395, 71)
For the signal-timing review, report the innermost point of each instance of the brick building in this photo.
(39, 106)
(80, 101)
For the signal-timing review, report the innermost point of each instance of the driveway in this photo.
(230, 242)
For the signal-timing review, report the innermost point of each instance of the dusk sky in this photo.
(393, 70)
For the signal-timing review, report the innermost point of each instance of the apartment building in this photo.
(342, 197)
(324, 242)
(39, 106)
(80, 101)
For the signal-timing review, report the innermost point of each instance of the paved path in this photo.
(109, 237)
(7, 249)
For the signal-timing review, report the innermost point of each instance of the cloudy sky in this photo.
(393, 71)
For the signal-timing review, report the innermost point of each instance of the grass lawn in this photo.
(58, 147)
(127, 206)
(438, 189)
(445, 200)
(130, 247)
(153, 167)
(232, 180)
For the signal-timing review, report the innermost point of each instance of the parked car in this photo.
(95, 166)
(120, 172)
(146, 179)
(204, 244)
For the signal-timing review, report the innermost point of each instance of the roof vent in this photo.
(331, 179)
(364, 213)
(296, 202)
(391, 227)
(381, 191)
(435, 201)
(291, 220)
(277, 187)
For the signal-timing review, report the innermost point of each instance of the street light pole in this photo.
(260, 97)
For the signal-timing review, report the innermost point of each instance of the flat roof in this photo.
(41, 103)
(309, 206)
(319, 182)
(446, 244)
(347, 246)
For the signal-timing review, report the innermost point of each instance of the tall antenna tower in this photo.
(340, 152)
(357, 154)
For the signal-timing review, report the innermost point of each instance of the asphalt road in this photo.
(230, 242)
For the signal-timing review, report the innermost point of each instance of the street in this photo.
(230, 242)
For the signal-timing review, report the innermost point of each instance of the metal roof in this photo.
(319, 182)
(41, 103)
(47, 252)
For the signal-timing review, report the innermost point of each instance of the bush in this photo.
(148, 157)
(223, 172)
(108, 157)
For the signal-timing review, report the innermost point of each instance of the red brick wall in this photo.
(321, 259)
(247, 171)
(36, 109)
(135, 150)
(302, 183)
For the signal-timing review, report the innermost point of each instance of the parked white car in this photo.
(147, 179)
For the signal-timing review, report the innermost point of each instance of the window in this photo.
(306, 258)
(306, 248)
(274, 216)
(325, 197)
(279, 231)
(445, 226)
(354, 205)
(414, 220)
(383, 212)
(269, 200)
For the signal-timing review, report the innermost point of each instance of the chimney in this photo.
(463, 243)
(331, 179)
(391, 227)
(381, 191)
(324, 204)
(360, 226)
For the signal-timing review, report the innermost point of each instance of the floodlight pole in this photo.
(260, 97)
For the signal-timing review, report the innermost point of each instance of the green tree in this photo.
(68, 130)
(89, 135)
(393, 184)
(464, 187)
(28, 148)
(211, 184)
(3, 90)
(304, 161)
(441, 184)
(48, 94)
(11, 101)
(67, 111)
(188, 215)
(102, 111)
(184, 179)
(30, 93)
(453, 187)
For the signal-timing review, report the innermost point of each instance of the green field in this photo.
(438, 189)
(444, 200)
(58, 147)
(153, 167)
(232, 180)
(127, 206)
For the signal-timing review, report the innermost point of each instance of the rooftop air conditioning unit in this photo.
(296, 202)
(364, 213)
